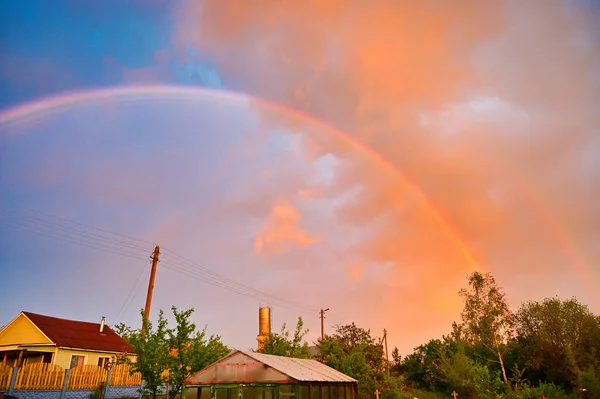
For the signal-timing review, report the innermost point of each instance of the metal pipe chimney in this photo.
(264, 325)
(102, 325)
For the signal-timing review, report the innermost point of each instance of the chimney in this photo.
(264, 325)
(102, 325)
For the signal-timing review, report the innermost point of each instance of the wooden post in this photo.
(323, 322)
(454, 394)
(377, 393)
(63, 392)
(386, 348)
(105, 392)
(150, 288)
(13, 379)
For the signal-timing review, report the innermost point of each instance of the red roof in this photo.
(79, 334)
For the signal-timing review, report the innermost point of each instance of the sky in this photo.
(359, 156)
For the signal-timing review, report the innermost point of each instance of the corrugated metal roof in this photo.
(304, 370)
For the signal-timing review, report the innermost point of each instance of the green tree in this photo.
(189, 352)
(467, 376)
(559, 342)
(180, 351)
(422, 367)
(152, 352)
(486, 319)
(353, 351)
(282, 345)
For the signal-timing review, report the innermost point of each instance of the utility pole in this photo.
(154, 258)
(323, 322)
(386, 348)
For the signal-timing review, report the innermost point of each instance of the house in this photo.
(34, 338)
(251, 375)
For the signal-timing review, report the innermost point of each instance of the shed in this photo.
(250, 375)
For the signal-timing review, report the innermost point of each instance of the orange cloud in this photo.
(280, 232)
(471, 100)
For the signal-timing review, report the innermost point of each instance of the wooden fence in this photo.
(5, 374)
(45, 376)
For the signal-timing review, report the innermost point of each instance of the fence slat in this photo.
(39, 376)
(5, 373)
(45, 376)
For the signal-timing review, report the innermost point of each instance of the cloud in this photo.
(488, 109)
(281, 231)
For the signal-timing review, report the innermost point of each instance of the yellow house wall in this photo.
(63, 356)
(22, 331)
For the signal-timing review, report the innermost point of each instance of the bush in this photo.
(550, 391)
(398, 394)
(588, 381)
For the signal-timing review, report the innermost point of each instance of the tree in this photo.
(151, 350)
(467, 376)
(559, 341)
(486, 318)
(188, 350)
(282, 345)
(180, 351)
(422, 367)
(353, 351)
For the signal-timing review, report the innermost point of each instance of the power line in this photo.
(82, 242)
(127, 300)
(105, 240)
(76, 223)
(14, 216)
(212, 276)
(258, 295)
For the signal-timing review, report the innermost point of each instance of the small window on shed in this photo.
(191, 393)
(227, 393)
(258, 393)
(204, 393)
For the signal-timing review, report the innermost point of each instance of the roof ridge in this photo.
(60, 318)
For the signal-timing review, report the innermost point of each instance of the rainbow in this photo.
(543, 214)
(41, 108)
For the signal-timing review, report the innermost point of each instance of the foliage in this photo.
(353, 351)
(422, 367)
(469, 378)
(549, 348)
(589, 381)
(98, 392)
(549, 391)
(559, 341)
(152, 352)
(487, 322)
(282, 345)
(416, 393)
(189, 351)
(169, 356)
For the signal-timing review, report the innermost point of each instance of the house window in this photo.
(77, 360)
(103, 361)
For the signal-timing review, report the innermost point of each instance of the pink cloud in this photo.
(281, 231)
